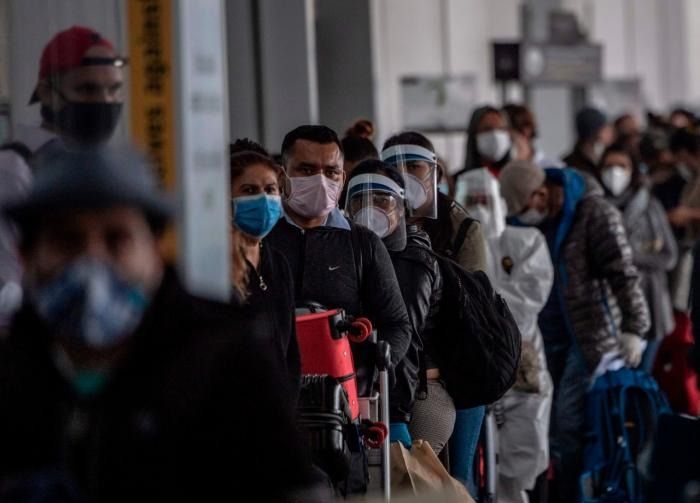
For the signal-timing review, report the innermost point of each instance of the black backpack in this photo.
(477, 341)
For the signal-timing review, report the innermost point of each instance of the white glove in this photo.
(632, 348)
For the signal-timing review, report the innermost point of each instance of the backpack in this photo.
(622, 413)
(478, 342)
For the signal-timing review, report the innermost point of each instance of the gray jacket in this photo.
(655, 254)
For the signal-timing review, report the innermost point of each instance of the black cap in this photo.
(98, 178)
(589, 121)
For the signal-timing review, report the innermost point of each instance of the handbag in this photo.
(420, 472)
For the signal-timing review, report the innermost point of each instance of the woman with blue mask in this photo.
(262, 281)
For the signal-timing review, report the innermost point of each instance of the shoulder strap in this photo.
(19, 148)
(461, 234)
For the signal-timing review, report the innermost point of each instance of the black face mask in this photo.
(86, 123)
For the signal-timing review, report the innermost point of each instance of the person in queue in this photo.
(596, 313)
(79, 90)
(453, 233)
(593, 135)
(116, 384)
(414, 155)
(377, 200)
(262, 280)
(334, 262)
(357, 146)
(653, 244)
(520, 270)
(489, 142)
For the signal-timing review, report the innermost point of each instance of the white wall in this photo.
(432, 38)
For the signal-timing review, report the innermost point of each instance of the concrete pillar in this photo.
(345, 62)
(552, 106)
(244, 69)
(288, 68)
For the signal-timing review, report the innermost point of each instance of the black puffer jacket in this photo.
(350, 270)
(596, 281)
(421, 286)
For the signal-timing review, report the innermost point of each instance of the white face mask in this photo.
(493, 145)
(416, 193)
(375, 220)
(616, 179)
(533, 217)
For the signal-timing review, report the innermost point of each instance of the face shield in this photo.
(377, 202)
(479, 191)
(418, 166)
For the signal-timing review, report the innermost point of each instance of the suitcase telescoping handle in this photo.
(383, 363)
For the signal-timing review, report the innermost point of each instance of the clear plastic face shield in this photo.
(480, 192)
(418, 166)
(378, 203)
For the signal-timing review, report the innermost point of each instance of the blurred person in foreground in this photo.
(653, 245)
(79, 90)
(596, 315)
(116, 384)
(593, 135)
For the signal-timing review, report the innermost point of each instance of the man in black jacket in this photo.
(117, 385)
(334, 262)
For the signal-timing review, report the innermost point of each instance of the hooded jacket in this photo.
(420, 281)
(597, 283)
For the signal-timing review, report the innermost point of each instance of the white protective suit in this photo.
(520, 268)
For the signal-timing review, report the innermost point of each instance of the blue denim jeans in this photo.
(463, 444)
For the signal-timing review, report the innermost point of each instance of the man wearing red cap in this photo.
(80, 90)
(80, 86)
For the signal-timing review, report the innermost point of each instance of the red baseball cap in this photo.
(66, 50)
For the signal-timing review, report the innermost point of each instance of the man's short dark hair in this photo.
(313, 133)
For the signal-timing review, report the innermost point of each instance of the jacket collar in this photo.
(335, 220)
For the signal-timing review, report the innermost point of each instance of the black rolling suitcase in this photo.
(324, 418)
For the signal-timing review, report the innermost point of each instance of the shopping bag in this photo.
(419, 471)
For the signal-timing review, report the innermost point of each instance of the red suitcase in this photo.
(325, 348)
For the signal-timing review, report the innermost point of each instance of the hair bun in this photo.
(247, 145)
(363, 128)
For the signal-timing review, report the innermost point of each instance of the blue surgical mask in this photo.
(444, 188)
(90, 305)
(256, 215)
